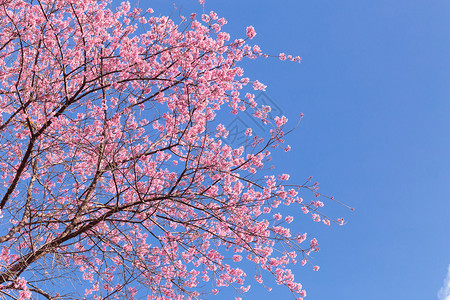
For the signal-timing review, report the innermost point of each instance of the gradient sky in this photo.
(374, 88)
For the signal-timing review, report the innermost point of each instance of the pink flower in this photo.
(301, 238)
(280, 121)
(289, 219)
(284, 177)
(25, 294)
(222, 21)
(251, 32)
(259, 86)
(213, 15)
(206, 18)
(244, 289)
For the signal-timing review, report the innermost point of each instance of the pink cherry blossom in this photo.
(251, 32)
(280, 121)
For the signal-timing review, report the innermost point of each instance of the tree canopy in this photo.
(117, 180)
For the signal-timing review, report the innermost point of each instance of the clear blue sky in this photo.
(374, 88)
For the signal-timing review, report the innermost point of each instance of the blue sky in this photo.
(374, 88)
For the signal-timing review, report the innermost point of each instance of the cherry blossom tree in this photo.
(116, 177)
